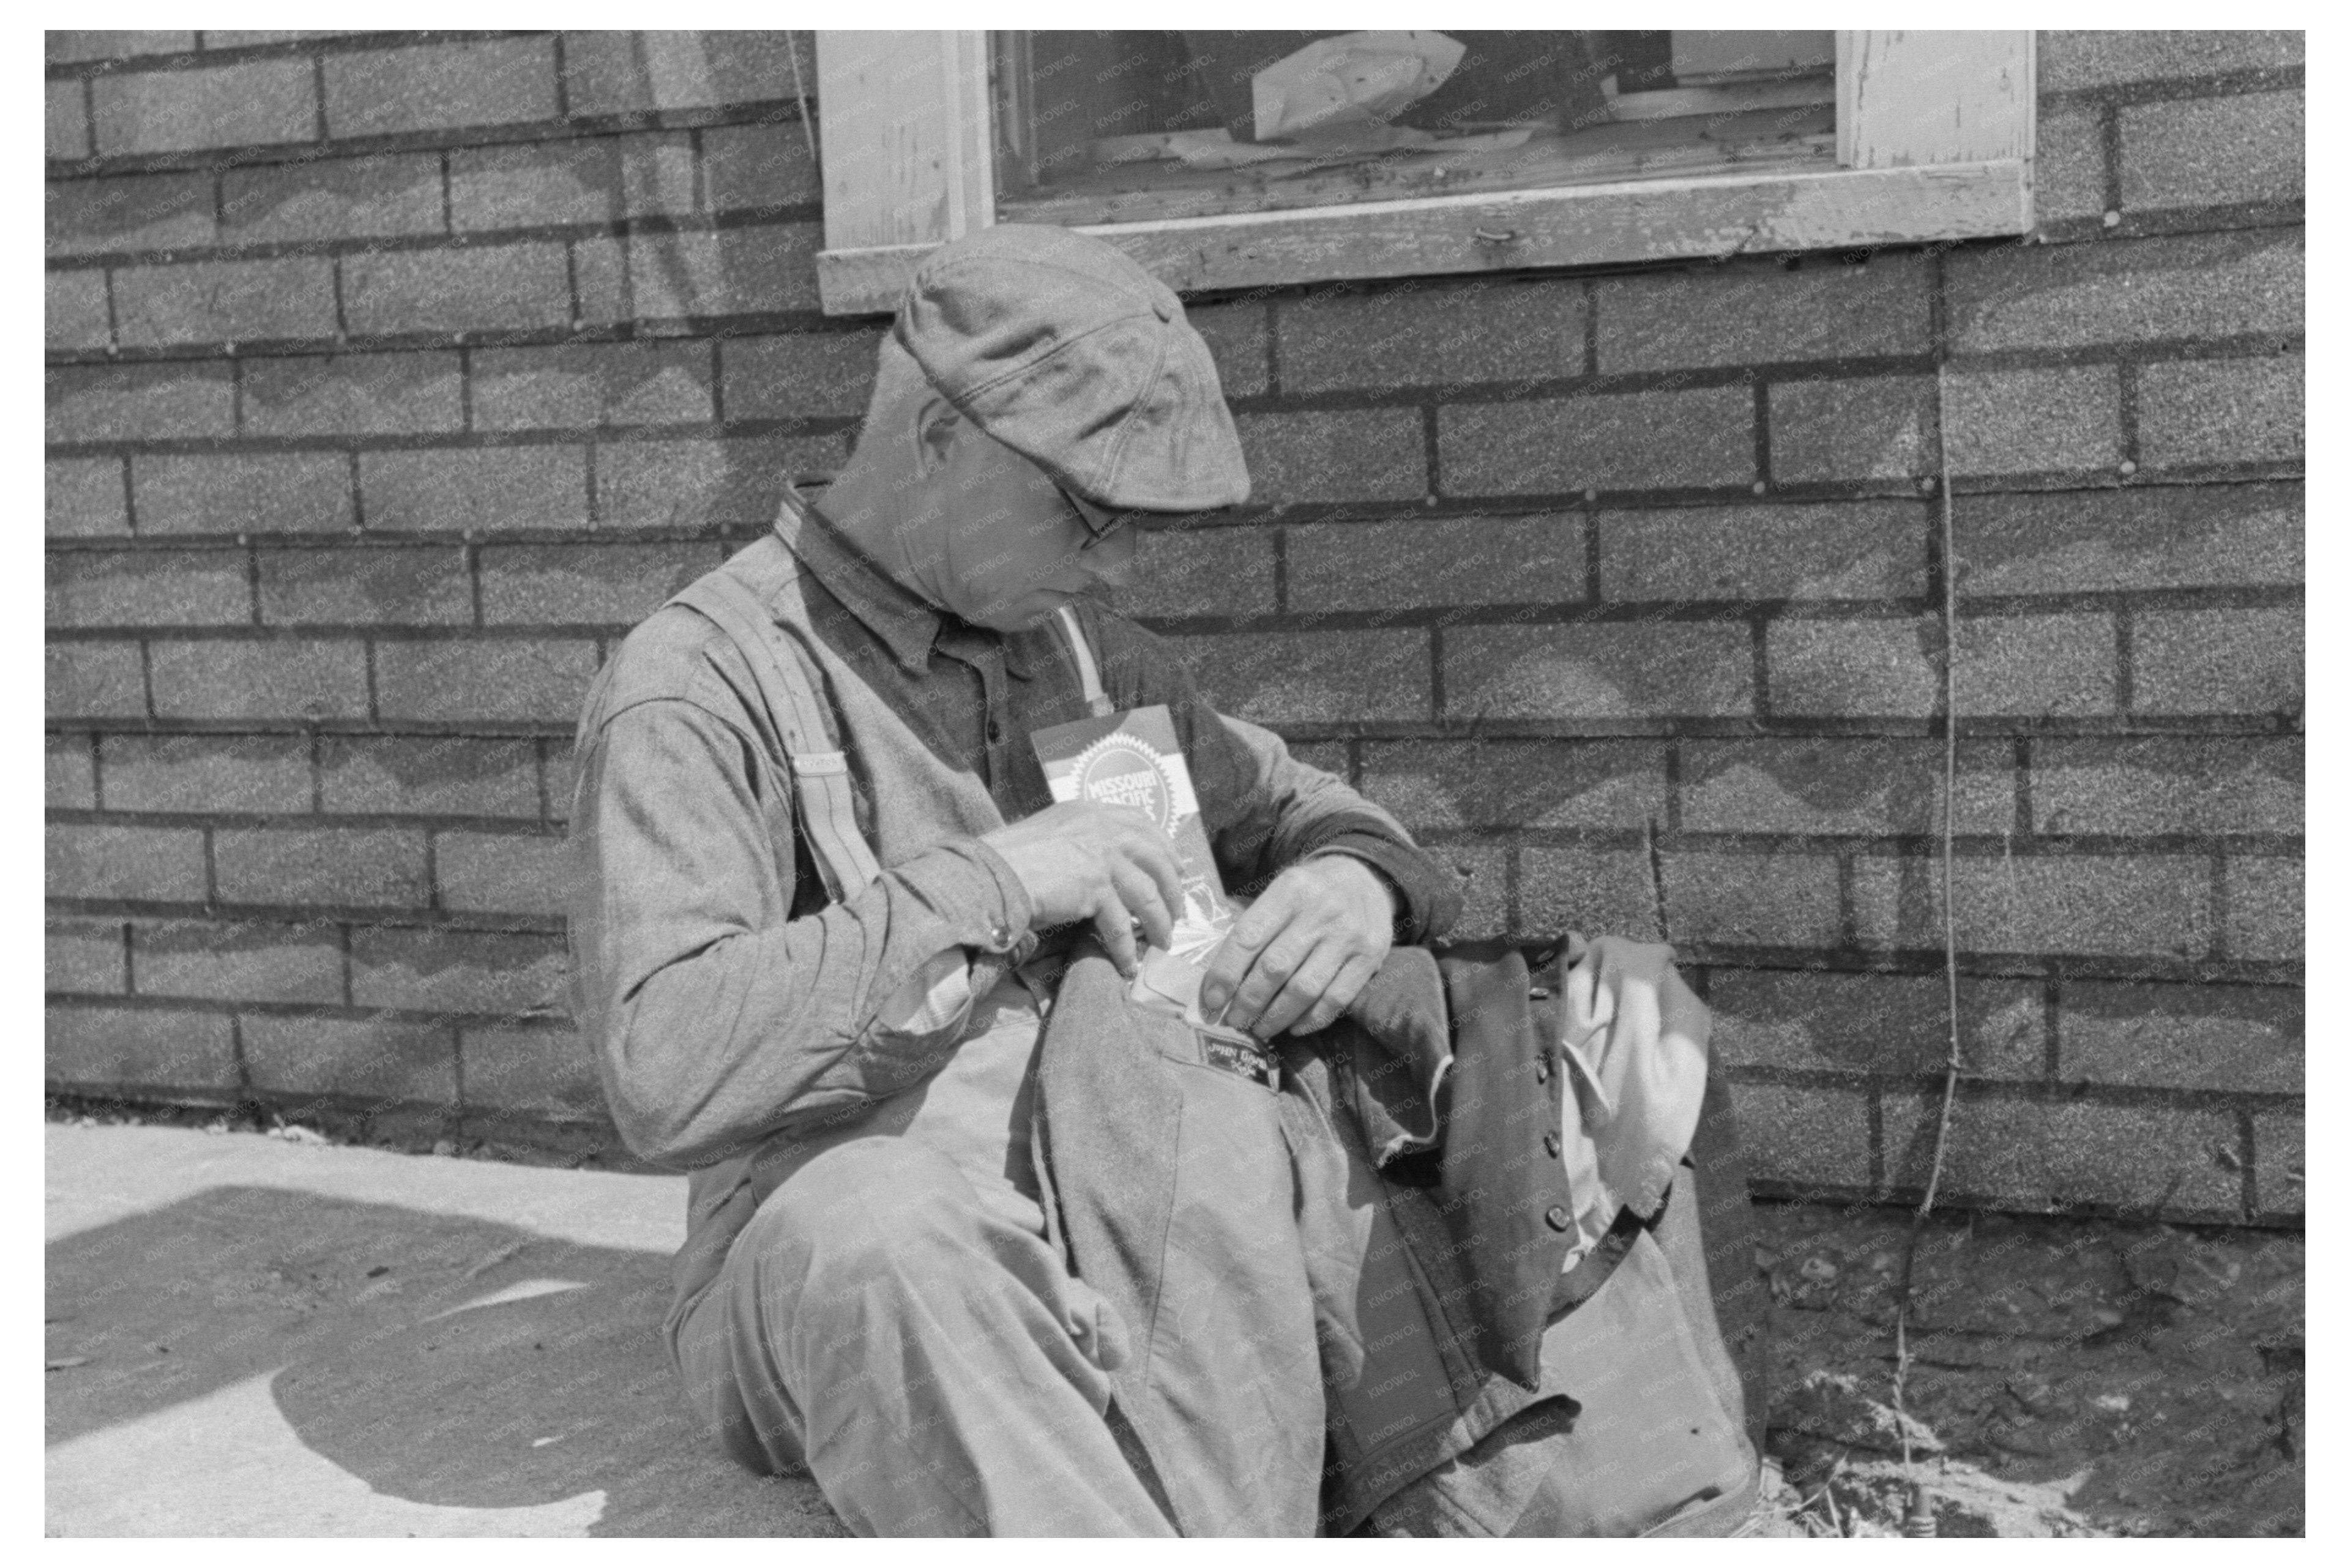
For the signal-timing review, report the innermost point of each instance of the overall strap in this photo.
(1081, 654)
(820, 782)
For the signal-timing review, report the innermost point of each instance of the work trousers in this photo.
(894, 1322)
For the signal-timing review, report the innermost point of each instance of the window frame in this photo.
(1934, 141)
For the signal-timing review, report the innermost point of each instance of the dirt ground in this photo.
(2068, 1378)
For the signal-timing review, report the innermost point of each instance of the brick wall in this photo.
(393, 377)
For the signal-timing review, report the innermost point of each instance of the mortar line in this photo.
(2109, 156)
(571, 284)
(1675, 777)
(2021, 761)
(559, 58)
(113, 322)
(2216, 870)
(2051, 1013)
(2125, 413)
(1513, 913)
(2125, 658)
(251, 578)
(237, 1054)
(1272, 331)
(1879, 1180)
(1594, 580)
(2248, 1149)
(1436, 693)
(129, 495)
(1847, 901)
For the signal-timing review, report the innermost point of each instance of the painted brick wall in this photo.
(392, 376)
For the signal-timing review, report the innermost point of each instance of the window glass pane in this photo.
(1097, 126)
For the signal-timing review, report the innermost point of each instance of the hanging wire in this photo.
(1918, 1520)
(799, 85)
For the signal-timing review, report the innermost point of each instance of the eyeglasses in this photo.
(1099, 521)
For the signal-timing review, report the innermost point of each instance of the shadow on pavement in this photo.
(448, 1362)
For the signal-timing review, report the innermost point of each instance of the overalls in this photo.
(899, 1312)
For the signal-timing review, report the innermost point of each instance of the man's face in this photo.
(1005, 548)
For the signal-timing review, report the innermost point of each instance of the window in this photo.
(1238, 160)
(1104, 127)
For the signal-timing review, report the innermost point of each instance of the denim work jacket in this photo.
(729, 1002)
(1402, 1293)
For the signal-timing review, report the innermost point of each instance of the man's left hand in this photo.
(1299, 955)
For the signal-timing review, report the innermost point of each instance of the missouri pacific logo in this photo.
(1120, 770)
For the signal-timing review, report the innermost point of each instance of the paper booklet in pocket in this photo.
(1132, 758)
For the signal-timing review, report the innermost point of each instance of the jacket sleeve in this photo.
(1308, 813)
(716, 1017)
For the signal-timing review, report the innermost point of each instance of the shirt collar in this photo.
(893, 612)
(908, 623)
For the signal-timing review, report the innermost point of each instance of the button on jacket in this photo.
(729, 1003)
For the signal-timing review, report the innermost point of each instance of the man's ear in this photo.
(935, 424)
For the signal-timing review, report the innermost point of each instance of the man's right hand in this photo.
(1108, 864)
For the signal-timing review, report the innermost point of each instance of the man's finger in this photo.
(1116, 929)
(1152, 853)
(1264, 920)
(1338, 995)
(1299, 994)
(1142, 898)
(1282, 958)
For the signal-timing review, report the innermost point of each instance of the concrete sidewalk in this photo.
(252, 1336)
(259, 1337)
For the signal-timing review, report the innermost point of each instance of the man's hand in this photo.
(1302, 953)
(1108, 864)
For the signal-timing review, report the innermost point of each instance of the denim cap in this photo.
(1059, 345)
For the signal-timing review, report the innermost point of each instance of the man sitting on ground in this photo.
(827, 901)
